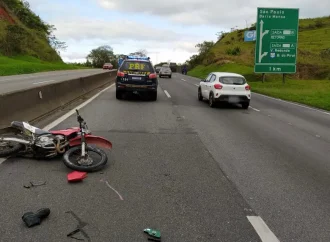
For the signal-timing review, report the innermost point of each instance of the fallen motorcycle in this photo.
(30, 141)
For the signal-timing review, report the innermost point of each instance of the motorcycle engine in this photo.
(46, 145)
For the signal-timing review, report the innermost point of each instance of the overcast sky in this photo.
(168, 30)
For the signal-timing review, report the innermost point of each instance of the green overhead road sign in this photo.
(277, 40)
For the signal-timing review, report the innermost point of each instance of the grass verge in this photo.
(315, 93)
(26, 64)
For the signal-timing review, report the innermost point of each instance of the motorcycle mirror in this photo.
(77, 111)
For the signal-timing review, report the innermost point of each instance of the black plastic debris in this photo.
(79, 227)
(31, 219)
(32, 184)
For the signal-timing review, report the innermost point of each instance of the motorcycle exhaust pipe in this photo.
(14, 139)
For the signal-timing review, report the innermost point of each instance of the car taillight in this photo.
(152, 76)
(247, 87)
(217, 86)
(120, 74)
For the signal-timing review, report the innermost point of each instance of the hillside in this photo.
(27, 44)
(230, 53)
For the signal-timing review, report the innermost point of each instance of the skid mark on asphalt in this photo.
(262, 229)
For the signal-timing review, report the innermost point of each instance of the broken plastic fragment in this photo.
(76, 176)
(34, 184)
(152, 232)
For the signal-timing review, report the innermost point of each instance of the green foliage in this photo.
(27, 43)
(325, 53)
(103, 54)
(313, 60)
(203, 54)
(27, 64)
(234, 51)
(29, 35)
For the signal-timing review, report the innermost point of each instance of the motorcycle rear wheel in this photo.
(9, 148)
(69, 161)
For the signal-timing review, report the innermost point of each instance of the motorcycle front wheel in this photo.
(73, 160)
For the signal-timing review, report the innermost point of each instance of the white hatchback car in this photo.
(225, 87)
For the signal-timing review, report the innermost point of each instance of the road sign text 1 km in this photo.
(276, 40)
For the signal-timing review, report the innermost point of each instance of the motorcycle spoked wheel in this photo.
(8, 148)
(73, 155)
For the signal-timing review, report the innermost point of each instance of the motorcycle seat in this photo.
(21, 126)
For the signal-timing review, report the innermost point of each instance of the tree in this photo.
(204, 47)
(56, 44)
(101, 55)
(140, 53)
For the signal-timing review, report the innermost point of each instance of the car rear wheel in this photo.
(119, 95)
(170, 76)
(246, 105)
(153, 96)
(200, 97)
(211, 101)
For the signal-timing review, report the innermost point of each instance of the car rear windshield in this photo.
(166, 69)
(232, 80)
(137, 66)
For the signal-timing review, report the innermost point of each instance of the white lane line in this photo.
(254, 109)
(318, 136)
(262, 229)
(167, 94)
(2, 160)
(296, 104)
(68, 114)
(183, 80)
(42, 82)
(196, 85)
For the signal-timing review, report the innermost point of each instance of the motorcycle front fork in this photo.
(83, 145)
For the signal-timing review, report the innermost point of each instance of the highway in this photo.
(19, 82)
(195, 173)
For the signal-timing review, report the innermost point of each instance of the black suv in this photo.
(137, 75)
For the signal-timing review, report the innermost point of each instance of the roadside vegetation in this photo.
(27, 43)
(310, 85)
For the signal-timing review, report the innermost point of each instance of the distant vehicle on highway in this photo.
(107, 66)
(137, 75)
(158, 69)
(225, 87)
(165, 71)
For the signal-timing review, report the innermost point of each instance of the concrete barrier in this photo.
(33, 103)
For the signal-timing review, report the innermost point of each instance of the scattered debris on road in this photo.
(79, 227)
(32, 184)
(76, 176)
(155, 234)
(31, 219)
(107, 183)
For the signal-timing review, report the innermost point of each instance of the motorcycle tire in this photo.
(91, 168)
(11, 150)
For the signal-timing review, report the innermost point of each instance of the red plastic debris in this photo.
(76, 176)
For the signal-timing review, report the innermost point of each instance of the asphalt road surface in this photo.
(193, 172)
(19, 82)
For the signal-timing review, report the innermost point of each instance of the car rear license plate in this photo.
(136, 78)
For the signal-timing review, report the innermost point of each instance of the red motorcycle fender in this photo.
(91, 139)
